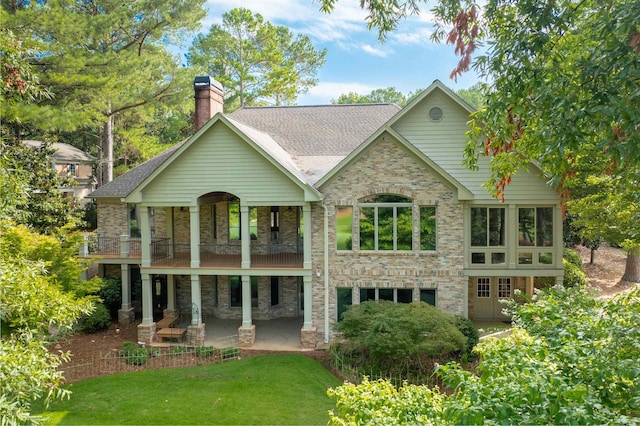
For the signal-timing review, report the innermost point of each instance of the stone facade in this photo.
(386, 167)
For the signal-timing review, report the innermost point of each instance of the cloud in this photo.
(383, 53)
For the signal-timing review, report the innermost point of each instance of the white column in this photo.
(308, 305)
(245, 236)
(196, 301)
(194, 223)
(145, 236)
(171, 293)
(306, 218)
(246, 301)
(126, 286)
(147, 300)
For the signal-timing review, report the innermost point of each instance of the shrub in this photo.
(97, 321)
(205, 351)
(469, 330)
(111, 295)
(573, 275)
(177, 350)
(133, 354)
(572, 257)
(228, 353)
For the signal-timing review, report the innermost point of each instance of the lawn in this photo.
(268, 389)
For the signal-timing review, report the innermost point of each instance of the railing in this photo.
(122, 246)
(267, 255)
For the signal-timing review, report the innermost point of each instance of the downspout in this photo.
(326, 273)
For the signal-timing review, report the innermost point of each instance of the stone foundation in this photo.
(246, 336)
(195, 335)
(147, 333)
(126, 317)
(308, 338)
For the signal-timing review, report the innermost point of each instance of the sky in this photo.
(356, 61)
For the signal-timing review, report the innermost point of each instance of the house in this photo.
(70, 161)
(301, 211)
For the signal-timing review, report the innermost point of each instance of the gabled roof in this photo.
(64, 153)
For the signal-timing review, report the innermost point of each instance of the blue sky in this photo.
(356, 61)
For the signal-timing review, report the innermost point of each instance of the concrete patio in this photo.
(281, 334)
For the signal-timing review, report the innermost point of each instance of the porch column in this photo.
(306, 218)
(308, 332)
(247, 331)
(195, 331)
(126, 314)
(171, 293)
(245, 239)
(145, 236)
(147, 330)
(194, 223)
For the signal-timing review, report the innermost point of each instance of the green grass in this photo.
(269, 389)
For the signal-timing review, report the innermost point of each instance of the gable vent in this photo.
(435, 114)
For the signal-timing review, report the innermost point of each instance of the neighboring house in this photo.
(301, 211)
(73, 162)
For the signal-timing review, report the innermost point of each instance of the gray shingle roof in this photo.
(307, 140)
(64, 153)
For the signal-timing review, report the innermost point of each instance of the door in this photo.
(487, 293)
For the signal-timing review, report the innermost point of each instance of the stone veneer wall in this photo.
(113, 217)
(385, 167)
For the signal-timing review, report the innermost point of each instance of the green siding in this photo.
(444, 142)
(221, 161)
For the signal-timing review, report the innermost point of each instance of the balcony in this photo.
(221, 255)
(97, 245)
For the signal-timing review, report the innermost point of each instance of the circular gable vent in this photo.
(435, 114)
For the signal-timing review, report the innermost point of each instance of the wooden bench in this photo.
(167, 322)
(171, 333)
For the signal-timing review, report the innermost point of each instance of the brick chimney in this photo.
(209, 96)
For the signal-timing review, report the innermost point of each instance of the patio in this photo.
(281, 334)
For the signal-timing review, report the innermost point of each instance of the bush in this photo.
(469, 330)
(133, 354)
(98, 320)
(572, 257)
(178, 350)
(111, 295)
(205, 351)
(573, 275)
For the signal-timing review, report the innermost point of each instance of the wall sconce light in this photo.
(318, 271)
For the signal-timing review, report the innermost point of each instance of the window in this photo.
(504, 288)
(483, 288)
(344, 300)
(487, 227)
(344, 222)
(386, 223)
(134, 221)
(275, 291)
(428, 296)
(275, 223)
(235, 228)
(235, 291)
(73, 170)
(535, 226)
(427, 228)
(214, 222)
(398, 295)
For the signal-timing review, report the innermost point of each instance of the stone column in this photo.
(308, 332)
(247, 331)
(126, 314)
(147, 330)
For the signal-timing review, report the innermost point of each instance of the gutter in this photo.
(326, 273)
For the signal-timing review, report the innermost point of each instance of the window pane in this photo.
(544, 226)
(253, 222)
(545, 258)
(526, 226)
(483, 288)
(344, 300)
(504, 287)
(478, 258)
(275, 291)
(385, 198)
(385, 228)
(428, 296)
(234, 221)
(367, 230)
(478, 227)
(275, 223)
(525, 258)
(367, 294)
(428, 228)
(385, 294)
(405, 295)
(496, 227)
(404, 228)
(344, 221)
(498, 258)
(235, 291)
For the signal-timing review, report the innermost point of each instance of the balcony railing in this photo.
(122, 246)
(228, 255)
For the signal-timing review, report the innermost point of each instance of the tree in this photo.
(563, 79)
(121, 62)
(377, 96)
(570, 359)
(256, 62)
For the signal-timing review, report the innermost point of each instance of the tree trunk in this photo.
(592, 258)
(107, 150)
(632, 268)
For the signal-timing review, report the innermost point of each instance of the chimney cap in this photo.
(202, 82)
